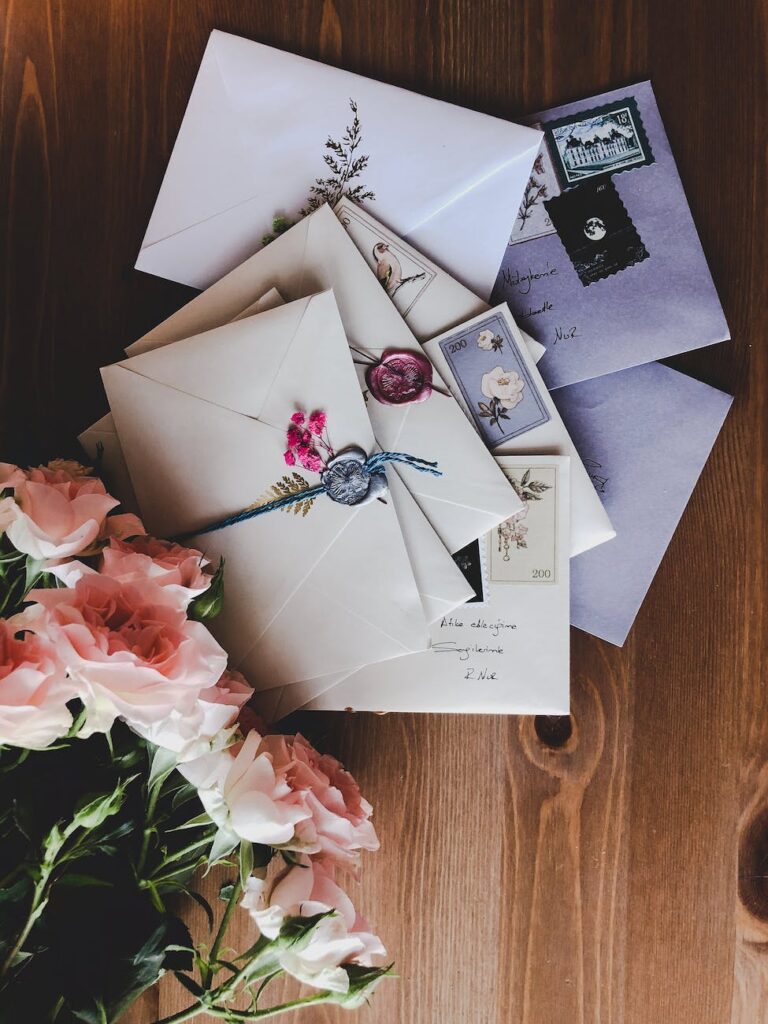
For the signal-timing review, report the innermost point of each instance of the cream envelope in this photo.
(472, 496)
(440, 582)
(254, 140)
(427, 298)
(507, 652)
(202, 426)
(532, 423)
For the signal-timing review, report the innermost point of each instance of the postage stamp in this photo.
(596, 230)
(523, 549)
(400, 272)
(472, 563)
(497, 386)
(533, 220)
(598, 141)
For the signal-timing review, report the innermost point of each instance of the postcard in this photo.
(488, 368)
(504, 652)
(645, 434)
(604, 266)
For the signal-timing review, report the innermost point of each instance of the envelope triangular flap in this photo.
(193, 463)
(423, 153)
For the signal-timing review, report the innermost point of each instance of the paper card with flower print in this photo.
(318, 574)
(490, 371)
(506, 653)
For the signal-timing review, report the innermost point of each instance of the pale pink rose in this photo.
(59, 513)
(7, 513)
(10, 476)
(129, 649)
(340, 824)
(179, 569)
(341, 938)
(33, 689)
(122, 526)
(242, 794)
(209, 726)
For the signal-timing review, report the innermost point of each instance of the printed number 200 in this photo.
(542, 574)
(455, 346)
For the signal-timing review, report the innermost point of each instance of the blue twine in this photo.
(372, 464)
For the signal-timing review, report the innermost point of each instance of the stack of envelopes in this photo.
(447, 592)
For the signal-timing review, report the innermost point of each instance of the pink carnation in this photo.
(177, 568)
(60, 511)
(33, 688)
(129, 648)
(339, 824)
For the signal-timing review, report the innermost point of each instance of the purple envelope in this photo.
(644, 435)
(604, 266)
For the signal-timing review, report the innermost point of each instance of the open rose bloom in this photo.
(33, 689)
(59, 511)
(128, 649)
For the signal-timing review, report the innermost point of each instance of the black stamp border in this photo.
(582, 115)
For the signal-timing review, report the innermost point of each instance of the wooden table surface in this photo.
(610, 869)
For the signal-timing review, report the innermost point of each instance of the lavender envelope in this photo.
(644, 435)
(604, 265)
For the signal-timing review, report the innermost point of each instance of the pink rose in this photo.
(244, 796)
(129, 649)
(178, 569)
(339, 824)
(10, 476)
(122, 527)
(60, 511)
(343, 937)
(208, 726)
(33, 689)
(7, 513)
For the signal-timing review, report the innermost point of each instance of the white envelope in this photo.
(202, 426)
(440, 582)
(472, 496)
(506, 654)
(590, 524)
(426, 296)
(253, 142)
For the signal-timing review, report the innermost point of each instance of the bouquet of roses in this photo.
(129, 760)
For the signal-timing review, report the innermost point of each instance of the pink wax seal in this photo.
(400, 377)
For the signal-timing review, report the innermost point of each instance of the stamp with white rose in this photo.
(494, 379)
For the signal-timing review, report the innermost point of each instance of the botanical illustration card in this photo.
(645, 435)
(505, 652)
(604, 266)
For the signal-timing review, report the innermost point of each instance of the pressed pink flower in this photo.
(128, 648)
(290, 458)
(33, 688)
(60, 511)
(298, 418)
(311, 461)
(293, 436)
(317, 421)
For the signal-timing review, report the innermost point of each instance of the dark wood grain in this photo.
(609, 872)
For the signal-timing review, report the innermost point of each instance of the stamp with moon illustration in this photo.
(602, 140)
(596, 230)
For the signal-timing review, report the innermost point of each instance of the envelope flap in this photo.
(258, 115)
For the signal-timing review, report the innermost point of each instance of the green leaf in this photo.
(75, 880)
(225, 892)
(32, 571)
(208, 605)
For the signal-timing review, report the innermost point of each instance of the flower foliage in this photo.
(129, 760)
